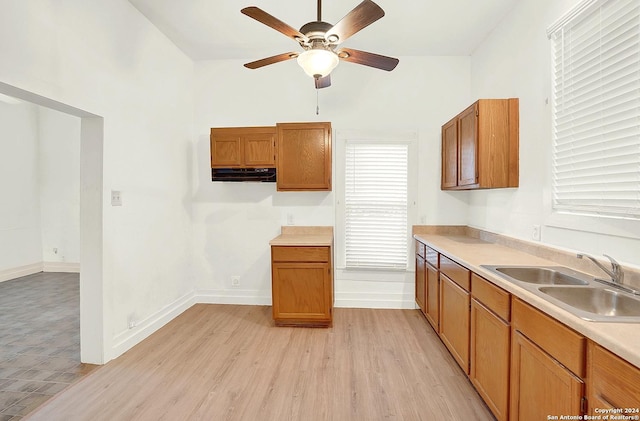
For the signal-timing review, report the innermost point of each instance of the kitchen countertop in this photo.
(622, 339)
(304, 236)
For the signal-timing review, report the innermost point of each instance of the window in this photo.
(596, 109)
(376, 204)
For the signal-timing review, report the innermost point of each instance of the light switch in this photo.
(116, 198)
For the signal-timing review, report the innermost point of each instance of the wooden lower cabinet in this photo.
(421, 279)
(454, 320)
(302, 286)
(612, 383)
(489, 369)
(540, 385)
(432, 290)
(525, 364)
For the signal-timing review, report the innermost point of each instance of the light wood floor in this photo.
(223, 362)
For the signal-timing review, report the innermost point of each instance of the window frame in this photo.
(409, 137)
(574, 219)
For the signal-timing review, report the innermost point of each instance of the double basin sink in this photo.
(576, 292)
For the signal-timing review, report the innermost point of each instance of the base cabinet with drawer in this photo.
(612, 383)
(455, 310)
(547, 366)
(490, 344)
(302, 286)
(525, 364)
(421, 277)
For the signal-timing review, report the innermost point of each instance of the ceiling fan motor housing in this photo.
(315, 31)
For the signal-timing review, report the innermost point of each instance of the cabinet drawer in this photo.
(299, 254)
(432, 257)
(420, 248)
(494, 298)
(458, 274)
(562, 343)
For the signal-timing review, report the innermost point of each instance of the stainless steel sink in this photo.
(599, 301)
(573, 291)
(539, 275)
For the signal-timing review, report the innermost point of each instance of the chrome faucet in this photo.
(616, 273)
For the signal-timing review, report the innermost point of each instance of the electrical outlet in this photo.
(131, 321)
(235, 281)
(290, 219)
(535, 232)
(116, 198)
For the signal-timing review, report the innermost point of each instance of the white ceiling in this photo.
(215, 29)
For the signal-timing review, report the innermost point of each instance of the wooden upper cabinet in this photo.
(480, 146)
(304, 156)
(450, 154)
(239, 147)
(468, 147)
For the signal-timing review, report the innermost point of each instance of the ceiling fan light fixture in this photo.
(318, 63)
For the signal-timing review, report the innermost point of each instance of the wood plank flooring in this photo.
(225, 362)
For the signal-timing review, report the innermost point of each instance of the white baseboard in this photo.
(20, 271)
(67, 267)
(144, 328)
(225, 296)
(342, 299)
(13, 273)
(374, 300)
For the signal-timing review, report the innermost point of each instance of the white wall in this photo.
(20, 239)
(233, 222)
(105, 58)
(40, 190)
(515, 61)
(59, 184)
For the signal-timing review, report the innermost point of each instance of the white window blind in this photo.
(376, 179)
(596, 113)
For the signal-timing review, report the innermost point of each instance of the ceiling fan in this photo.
(320, 41)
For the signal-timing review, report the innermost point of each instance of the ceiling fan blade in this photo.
(270, 60)
(275, 23)
(368, 59)
(359, 18)
(323, 82)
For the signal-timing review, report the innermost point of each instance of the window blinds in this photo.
(376, 178)
(596, 113)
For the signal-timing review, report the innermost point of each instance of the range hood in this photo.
(264, 175)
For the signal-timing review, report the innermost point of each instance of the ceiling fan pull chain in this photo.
(317, 105)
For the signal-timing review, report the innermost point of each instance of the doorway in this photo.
(92, 317)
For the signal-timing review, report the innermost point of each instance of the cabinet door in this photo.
(421, 279)
(450, 154)
(540, 386)
(302, 292)
(490, 346)
(468, 147)
(259, 150)
(454, 320)
(226, 150)
(611, 381)
(304, 156)
(432, 291)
